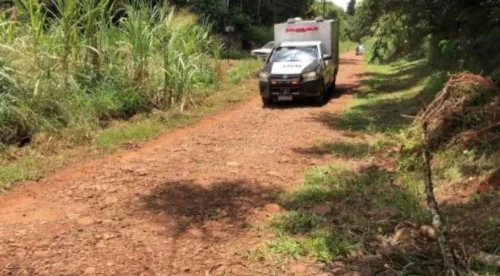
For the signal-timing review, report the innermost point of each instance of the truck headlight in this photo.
(264, 76)
(310, 76)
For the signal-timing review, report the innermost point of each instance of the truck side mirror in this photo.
(327, 57)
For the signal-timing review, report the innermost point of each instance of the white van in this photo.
(263, 53)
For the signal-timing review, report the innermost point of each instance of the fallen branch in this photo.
(473, 135)
(488, 128)
(437, 223)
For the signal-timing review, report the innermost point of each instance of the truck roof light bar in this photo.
(301, 29)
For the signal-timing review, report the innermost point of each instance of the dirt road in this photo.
(185, 203)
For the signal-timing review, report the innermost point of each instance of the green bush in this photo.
(259, 35)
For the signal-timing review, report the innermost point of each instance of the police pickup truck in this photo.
(304, 62)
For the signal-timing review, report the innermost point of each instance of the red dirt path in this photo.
(181, 204)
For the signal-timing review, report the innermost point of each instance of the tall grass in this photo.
(243, 71)
(185, 63)
(74, 68)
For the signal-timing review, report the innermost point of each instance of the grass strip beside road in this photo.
(364, 214)
(37, 160)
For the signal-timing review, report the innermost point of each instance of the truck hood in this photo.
(293, 68)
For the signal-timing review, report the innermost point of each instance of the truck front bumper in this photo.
(302, 89)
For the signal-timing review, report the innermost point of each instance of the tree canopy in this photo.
(264, 12)
(351, 8)
(253, 19)
(465, 31)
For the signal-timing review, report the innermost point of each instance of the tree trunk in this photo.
(434, 51)
(258, 10)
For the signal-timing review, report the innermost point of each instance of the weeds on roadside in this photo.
(74, 68)
(348, 150)
(357, 199)
(69, 77)
(243, 71)
(386, 109)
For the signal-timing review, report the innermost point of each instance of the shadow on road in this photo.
(390, 112)
(206, 212)
(343, 89)
(191, 203)
(349, 61)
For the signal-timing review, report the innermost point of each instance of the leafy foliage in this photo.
(331, 11)
(253, 19)
(351, 8)
(249, 16)
(459, 33)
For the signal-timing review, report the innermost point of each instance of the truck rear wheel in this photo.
(331, 88)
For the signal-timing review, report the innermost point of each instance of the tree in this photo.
(332, 11)
(458, 33)
(351, 8)
(253, 20)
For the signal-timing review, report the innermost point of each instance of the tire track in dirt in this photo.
(180, 204)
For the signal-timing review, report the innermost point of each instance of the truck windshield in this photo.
(294, 54)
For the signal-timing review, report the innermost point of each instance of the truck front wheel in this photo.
(267, 101)
(321, 98)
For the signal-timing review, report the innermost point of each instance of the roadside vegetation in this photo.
(76, 76)
(242, 72)
(79, 73)
(372, 216)
(77, 70)
(36, 160)
(253, 20)
(418, 83)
